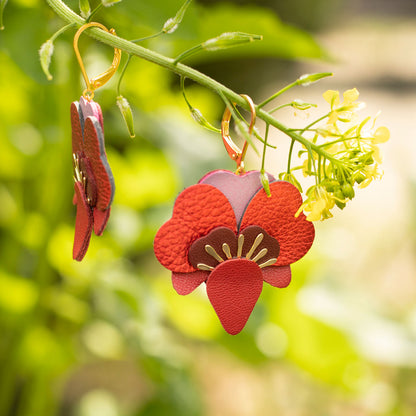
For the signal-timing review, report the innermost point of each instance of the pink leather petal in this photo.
(239, 189)
(277, 276)
(197, 210)
(76, 128)
(83, 224)
(233, 288)
(95, 152)
(276, 214)
(91, 108)
(185, 283)
(100, 220)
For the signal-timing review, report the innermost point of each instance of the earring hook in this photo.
(233, 150)
(99, 80)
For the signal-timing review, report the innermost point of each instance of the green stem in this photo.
(266, 135)
(148, 37)
(290, 155)
(60, 31)
(187, 53)
(62, 10)
(122, 75)
(288, 87)
(94, 12)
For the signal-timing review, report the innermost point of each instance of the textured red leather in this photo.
(277, 276)
(100, 220)
(83, 224)
(233, 289)
(95, 151)
(185, 283)
(276, 214)
(95, 183)
(198, 210)
(76, 129)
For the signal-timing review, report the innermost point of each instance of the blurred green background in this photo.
(109, 336)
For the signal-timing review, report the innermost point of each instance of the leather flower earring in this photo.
(228, 233)
(94, 182)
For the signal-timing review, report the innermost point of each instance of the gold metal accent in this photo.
(268, 263)
(99, 80)
(205, 267)
(240, 244)
(260, 255)
(211, 251)
(256, 243)
(226, 250)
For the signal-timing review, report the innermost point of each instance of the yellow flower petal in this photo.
(331, 97)
(381, 135)
(351, 95)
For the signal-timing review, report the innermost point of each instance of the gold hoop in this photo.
(233, 150)
(99, 80)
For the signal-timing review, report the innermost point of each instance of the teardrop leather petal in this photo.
(233, 288)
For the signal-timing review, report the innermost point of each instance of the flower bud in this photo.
(301, 105)
(172, 24)
(228, 40)
(264, 178)
(339, 198)
(308, 79)
(84, 7)
(109, 3)
(381, 135)
(201, 120)
(45, 54)
(348, 191)
(2, 6)
(125, 110)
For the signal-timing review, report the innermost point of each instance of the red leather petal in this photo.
(198, 210)
(277, 276)
(76, 128)
(95, 152)
(233, 288)
(185, 283)
(83, 224)
(276, 214)
(100, 220)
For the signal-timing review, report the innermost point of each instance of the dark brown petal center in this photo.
(83, 173)
(221, 244)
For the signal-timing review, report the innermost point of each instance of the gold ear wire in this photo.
(99, 80)
(233, 150)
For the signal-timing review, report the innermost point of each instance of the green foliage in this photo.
(110, 333)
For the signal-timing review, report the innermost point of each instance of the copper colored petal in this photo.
(83, 224)
(277, 276)
(185, 283)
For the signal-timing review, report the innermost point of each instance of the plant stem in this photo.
(62, 10)
(288, 87)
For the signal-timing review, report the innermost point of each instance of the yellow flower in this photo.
(344, 111)
(371, 172)
(318, 204)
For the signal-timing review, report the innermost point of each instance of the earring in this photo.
(94, 182)
(226, 232)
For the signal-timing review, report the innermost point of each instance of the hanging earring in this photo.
(94, 182)
(227, 233)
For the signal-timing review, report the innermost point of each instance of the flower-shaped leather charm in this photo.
(225, 231)
(94, 182)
